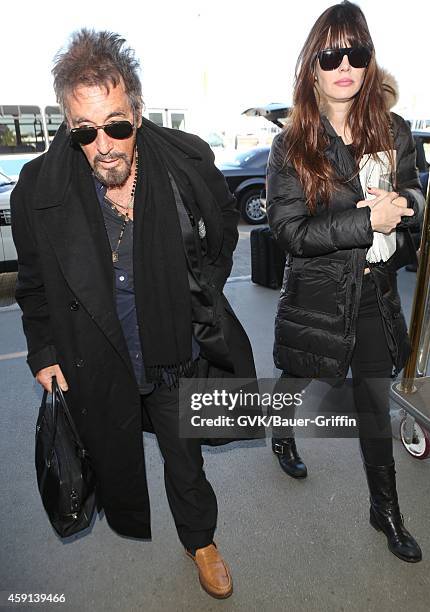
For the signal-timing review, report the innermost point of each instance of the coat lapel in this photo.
(75, 228)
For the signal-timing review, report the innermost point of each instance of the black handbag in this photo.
(405, 253)
(65, 478)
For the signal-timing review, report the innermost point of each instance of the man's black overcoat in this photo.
(66, 291)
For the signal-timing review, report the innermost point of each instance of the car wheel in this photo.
(250, 206)
(419, 446)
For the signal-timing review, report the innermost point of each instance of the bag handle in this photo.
(58, 400)
(53, 409)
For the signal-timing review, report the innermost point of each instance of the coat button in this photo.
(84, 411)
(79, 363)
(74, 305)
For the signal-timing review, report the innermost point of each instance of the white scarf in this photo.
(376, 173)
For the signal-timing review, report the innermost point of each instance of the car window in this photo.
(261, 158)
(252, 158)
(54, 118)
(21, 130)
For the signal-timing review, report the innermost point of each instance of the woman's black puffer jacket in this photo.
(320, 296)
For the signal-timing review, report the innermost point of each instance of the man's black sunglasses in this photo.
(116, 129)
(358, 57)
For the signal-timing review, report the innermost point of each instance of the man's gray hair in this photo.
(97, 58)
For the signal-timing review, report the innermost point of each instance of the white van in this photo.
(25, 132)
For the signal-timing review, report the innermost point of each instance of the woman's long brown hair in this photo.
(368, 119)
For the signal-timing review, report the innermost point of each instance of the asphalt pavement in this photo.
(298, 546)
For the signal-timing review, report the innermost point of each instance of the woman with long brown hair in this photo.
(342, 189)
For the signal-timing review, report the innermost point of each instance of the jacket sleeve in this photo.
(296, 230)
(407, 178)
(30, 293)
(219, 270)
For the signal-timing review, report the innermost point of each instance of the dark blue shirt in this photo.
(124, 284)
(124, 287)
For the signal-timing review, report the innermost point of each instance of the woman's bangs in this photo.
(341, 35)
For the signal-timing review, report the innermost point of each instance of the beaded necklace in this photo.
(130, 205)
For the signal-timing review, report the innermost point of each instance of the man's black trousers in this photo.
(191, 497)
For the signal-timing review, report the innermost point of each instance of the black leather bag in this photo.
(64, 476)
(267, 259)
(405, 253)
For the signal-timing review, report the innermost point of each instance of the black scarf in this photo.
(163, 301)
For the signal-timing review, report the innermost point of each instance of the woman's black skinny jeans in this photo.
(371, 368)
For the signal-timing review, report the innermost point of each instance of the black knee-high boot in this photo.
(385, 513)
(289, 460)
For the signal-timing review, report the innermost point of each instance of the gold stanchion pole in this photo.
(419, 324)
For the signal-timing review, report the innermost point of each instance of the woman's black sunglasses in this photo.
(116, 129)
(358, 57)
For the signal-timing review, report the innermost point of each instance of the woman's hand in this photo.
(363, 203)
(387, 211)
(401, 201)
(378, 194)
(398, 201)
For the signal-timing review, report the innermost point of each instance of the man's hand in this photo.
(44, 377)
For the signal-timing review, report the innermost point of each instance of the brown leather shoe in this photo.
(214, 574)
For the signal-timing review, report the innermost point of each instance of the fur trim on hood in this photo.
(390, 87)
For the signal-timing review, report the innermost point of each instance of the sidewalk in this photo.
(299, 546)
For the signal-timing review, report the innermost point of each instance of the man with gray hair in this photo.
(125, 233)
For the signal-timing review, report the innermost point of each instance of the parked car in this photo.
(8, 257)
(245, 174)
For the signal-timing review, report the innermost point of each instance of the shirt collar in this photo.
(100, 188)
